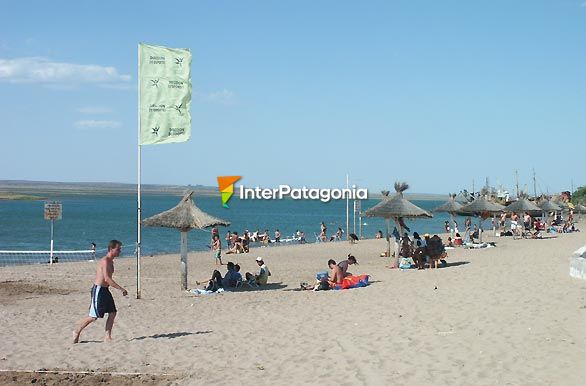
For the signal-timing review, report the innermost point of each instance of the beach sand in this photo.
(509, 315)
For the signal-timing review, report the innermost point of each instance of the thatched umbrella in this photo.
(548, 206)
(522, 205)
(185, 217)
(478, 207)
(451, 207)
(580, 209)
(396, 207)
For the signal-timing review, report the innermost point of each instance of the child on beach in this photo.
(217, 249)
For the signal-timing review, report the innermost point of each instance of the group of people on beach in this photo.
(240, 243)
(233, 278)
(420, 252)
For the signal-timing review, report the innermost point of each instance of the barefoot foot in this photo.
(75, 336)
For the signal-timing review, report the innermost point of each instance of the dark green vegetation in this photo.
(579, 196)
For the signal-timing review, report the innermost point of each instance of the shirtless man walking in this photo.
(102, 301)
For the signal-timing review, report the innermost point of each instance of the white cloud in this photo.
(94, 110)
(93, 124)
(44, 71)
(225, 97)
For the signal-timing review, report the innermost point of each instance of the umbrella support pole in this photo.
(396, 243)
(388, 239)
(184, 260)
(479, 229)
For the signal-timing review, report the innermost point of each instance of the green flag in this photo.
(165, 94)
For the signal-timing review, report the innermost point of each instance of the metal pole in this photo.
(387, 220)
(51, 253)
(138, 228)
(347, 209)
(534, 185)
(138, 207)
(360, 223)
(354, 219)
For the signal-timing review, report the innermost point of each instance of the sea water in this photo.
(100, 218)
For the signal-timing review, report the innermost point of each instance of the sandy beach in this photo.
(509, 315)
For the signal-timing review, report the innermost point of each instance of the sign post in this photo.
(53, 210)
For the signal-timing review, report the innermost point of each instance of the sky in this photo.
(440, 94)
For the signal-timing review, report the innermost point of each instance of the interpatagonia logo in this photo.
(226, 186)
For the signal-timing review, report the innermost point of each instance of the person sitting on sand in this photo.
(419, 255)
(379, 235)
(405, 250)
(236, 275)
(262, 277)
(450, 242)
(345, 263)
(458, 240)
(336, 275)
(217, 281)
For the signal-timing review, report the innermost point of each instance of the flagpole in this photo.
(138, 208)
(347, 209)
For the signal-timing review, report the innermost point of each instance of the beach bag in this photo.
(323, 286)
(405, 263)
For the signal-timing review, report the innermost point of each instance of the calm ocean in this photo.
(88, 219)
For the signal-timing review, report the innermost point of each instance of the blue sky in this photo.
(436, 93)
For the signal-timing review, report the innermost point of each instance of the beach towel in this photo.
(353, 282)
(197, 291)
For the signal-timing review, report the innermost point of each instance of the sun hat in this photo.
(259, 258)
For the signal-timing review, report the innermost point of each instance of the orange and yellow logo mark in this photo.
(226, 185)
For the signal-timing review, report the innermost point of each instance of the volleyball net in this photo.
(45, 257)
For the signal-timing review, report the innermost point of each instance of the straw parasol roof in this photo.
(452, 206)
(482, 205)
(522, 205)
(549, 206)
(479, 207)
(396, 207)
(184, 216)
